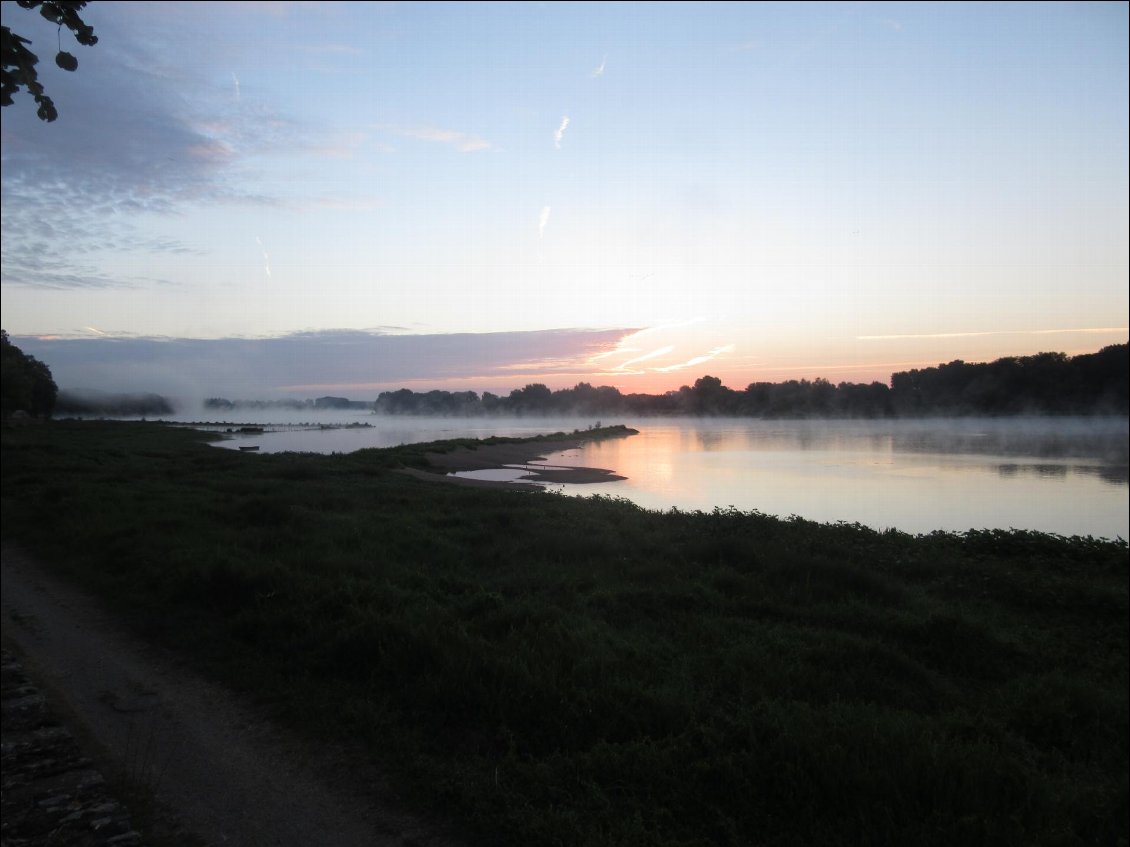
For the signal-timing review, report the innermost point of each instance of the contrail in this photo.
(543, 220)
(698, 360)
(560, 133)
(266, 258)
(600, 71)
(662, 351)
(235, 79)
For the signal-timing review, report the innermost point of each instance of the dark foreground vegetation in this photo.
(544, 670)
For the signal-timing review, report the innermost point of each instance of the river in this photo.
(1062, 475)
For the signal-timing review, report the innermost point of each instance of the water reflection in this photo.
(1113, 474)
(1104, 438)
(912, 475)
(1110, 474)
(1062, 475)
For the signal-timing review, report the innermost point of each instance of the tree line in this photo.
(1044, 384)
(321, 403)
(138, 405)
(25, 382)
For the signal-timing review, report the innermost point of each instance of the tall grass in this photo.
(547, 670)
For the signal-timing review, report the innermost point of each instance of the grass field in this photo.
(544, 670)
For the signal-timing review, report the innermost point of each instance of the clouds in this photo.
(461, 141)
(128, 144)
(146, 135)
(129, 137)
(664, 349)
(37, 264)
(361, 363)
(395, 169)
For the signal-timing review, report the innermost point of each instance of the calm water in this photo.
(1067, 476)
(916, 476)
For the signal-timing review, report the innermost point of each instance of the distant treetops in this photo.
(1044, 384)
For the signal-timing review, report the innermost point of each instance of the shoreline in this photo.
(519, 455)
(542, 670)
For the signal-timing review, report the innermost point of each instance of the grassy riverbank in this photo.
(546, 670)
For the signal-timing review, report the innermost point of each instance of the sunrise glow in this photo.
(615, 194)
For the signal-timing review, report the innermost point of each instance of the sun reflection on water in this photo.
(911, 475)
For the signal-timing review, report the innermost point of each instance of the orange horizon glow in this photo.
(658, 382)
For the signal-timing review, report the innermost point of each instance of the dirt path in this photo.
(219, 770)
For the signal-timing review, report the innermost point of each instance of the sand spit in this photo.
(523, 455)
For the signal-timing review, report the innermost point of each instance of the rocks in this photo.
(51, 793)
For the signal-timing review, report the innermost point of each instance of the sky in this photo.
(289, 199)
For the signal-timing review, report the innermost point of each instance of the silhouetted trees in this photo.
(25, 382)
(340, 403)
(1047, 383)
(816, 399)
(223, 404)
(112, 405)
(1044, 384)
(534, 399)
(443, 403)
(17, 62)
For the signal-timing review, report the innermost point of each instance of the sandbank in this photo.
(521, 455)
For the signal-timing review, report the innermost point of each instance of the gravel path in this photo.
(217, 769)
(53, 794)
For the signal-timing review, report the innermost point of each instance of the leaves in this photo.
(18, 65)
(46, 111)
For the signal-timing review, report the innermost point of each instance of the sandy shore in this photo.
(524, 455)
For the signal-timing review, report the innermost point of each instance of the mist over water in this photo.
(1063, 475)
(1066, 476)
(343, 431)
